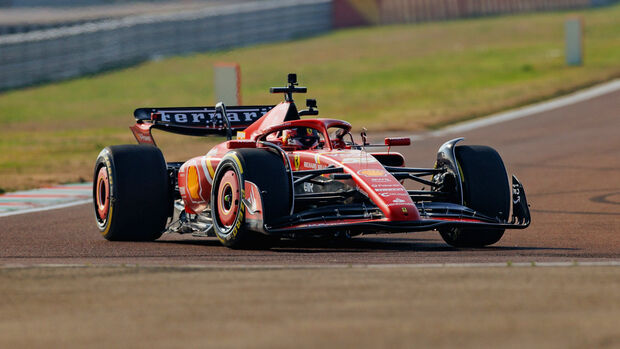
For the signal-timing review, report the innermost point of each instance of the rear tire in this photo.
(261, 167)
(485, 189)
(130, 193)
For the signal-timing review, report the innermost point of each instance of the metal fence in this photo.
(374, 12)
(62, 53)
(69, 3)
(407, 11)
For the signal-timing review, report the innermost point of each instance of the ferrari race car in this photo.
(288, 176)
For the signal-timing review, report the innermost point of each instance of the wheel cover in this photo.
(228, 198)
(102, 194)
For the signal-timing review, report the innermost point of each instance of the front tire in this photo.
(261, 167)
(485, 189)
(130, 193)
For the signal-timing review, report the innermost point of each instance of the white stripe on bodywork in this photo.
(203, 162)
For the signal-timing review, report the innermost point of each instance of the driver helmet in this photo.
(303, 137)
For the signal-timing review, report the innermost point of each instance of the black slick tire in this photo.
(228, 211)
(130, 193)
(485, 189)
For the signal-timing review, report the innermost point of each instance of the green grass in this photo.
(384, 78)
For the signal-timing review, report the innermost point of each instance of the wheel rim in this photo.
(102, 194)
(228, 198)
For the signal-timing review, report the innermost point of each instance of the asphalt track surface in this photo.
(567, 158)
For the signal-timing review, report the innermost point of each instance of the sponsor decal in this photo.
(516, 194)
(380, 180)
(239, 218)
(404, 209)
(358, 160)
(385, 192)
(385, 195)
(308, 187)
(401, 204)
(208, 116)
(311, 165)
(390, 189)
(372, 173)
(398, 200)
(142, 135)
(144, 138)
(240, 135)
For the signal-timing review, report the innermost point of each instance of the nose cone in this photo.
(386, 192)
(393, 200)
(370, 176)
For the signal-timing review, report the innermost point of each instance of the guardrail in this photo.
(8, 29)
(55, 54)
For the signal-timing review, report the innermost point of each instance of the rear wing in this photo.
(194, 121)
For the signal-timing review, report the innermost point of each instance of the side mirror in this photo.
(396, 141)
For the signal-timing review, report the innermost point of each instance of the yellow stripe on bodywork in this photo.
(210, 167)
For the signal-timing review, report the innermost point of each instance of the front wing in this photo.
(435, 215)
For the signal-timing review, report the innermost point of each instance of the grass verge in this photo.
(403, 77)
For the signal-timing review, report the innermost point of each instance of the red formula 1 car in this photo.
(287, 176)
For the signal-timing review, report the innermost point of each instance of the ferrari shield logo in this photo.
(296, 161)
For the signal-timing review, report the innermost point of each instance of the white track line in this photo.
(537, 108)
(533, 264)
(47, 208)
(533, 109)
